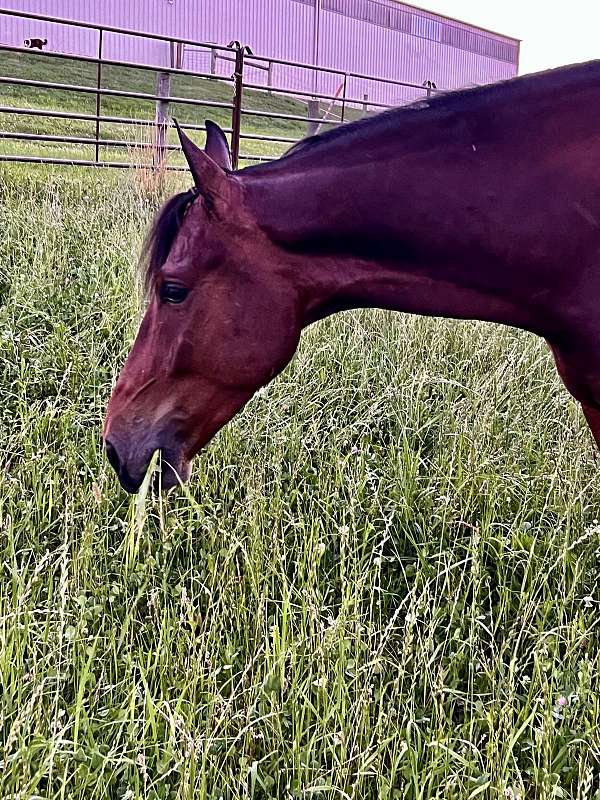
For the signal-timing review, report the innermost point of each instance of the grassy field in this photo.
(381, 582)
(39, 67)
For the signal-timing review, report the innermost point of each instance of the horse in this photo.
(481, 204)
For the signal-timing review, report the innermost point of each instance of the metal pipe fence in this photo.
(288, 115)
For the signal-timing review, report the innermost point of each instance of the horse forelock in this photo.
(162, 235)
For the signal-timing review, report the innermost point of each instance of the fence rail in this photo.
(309, 112)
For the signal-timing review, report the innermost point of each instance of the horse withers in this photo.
(478, 204)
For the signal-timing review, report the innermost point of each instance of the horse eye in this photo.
(173, 293)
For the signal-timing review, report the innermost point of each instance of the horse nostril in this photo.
(112, 455)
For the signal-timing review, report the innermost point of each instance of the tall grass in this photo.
(381, 582)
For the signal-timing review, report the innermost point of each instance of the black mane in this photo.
(443, 102)
(162, 234)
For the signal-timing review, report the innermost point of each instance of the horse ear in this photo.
(217, 146)
(208, 176)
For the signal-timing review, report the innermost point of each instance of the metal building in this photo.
(385, 38)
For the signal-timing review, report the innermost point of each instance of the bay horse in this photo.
(476, 204)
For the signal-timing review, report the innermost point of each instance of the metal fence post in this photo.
(365, 103)
(163, 89)
(344, 98)
(236, 113)
(98, 93)
(429, 85)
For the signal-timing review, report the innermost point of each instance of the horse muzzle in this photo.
(131, 464)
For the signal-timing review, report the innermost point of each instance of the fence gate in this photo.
(253, 97)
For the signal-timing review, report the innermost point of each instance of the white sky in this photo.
(554, 32)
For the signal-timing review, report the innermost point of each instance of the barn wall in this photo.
(376, 37)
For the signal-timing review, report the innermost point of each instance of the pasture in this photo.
(40, 68)
(381, 582)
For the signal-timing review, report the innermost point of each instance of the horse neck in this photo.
(441, 213)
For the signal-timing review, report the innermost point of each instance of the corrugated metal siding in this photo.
(399, 56)
(377, 37)
(265, 26)
(61, 38)
(80, 41)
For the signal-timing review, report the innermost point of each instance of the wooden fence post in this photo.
(161, 121)
(313, 111)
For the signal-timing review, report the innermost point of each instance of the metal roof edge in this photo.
(460, 21)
